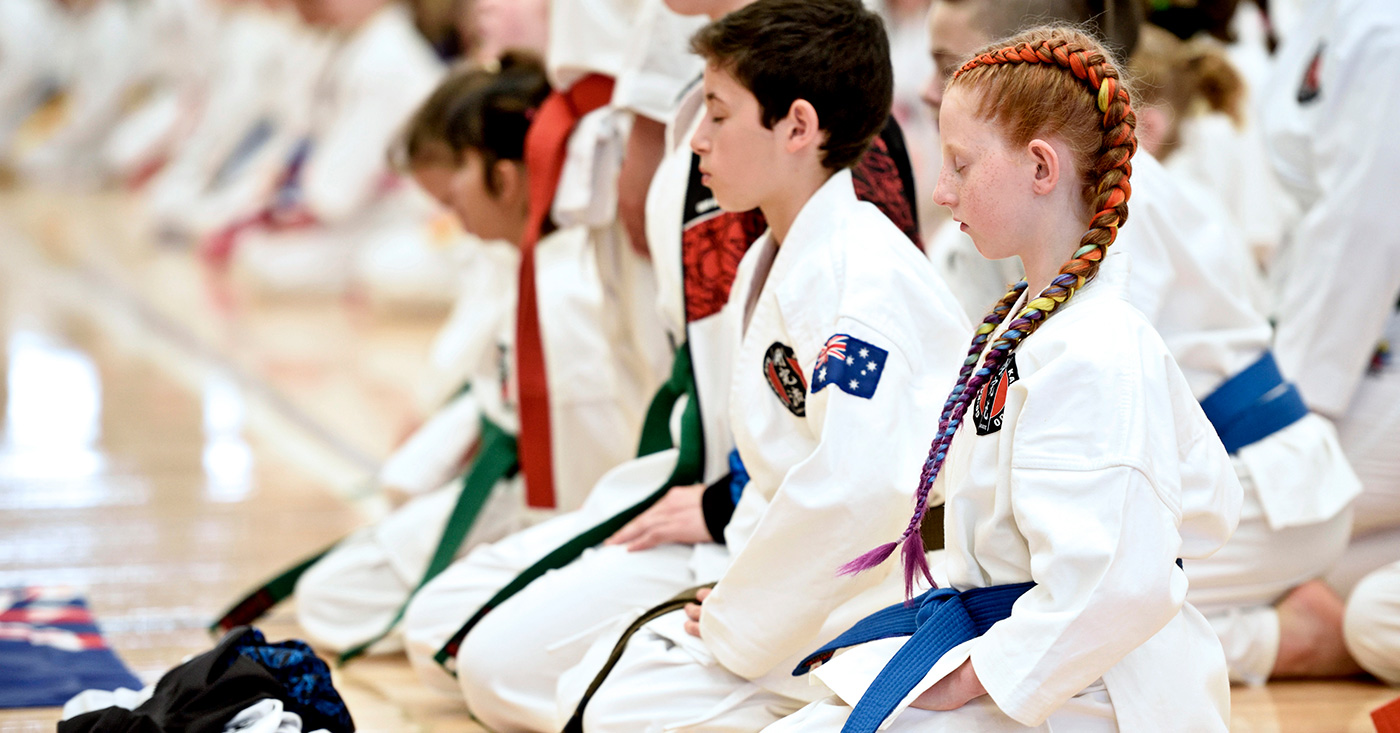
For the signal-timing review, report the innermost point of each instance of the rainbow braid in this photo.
(1111, 206)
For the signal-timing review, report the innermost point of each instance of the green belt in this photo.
(656, 436)
(265, 597)
(495, 460)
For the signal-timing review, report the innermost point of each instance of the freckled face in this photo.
(737, 153)
(985, 181)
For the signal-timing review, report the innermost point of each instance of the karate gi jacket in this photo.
(1326, 117)
(373, 83)
(1089, 469)
(833, 463)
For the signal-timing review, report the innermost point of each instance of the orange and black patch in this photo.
(991, 400)
(784, 375)
(1311, 86)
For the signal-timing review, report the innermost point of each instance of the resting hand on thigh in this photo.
(953, 691)
(692, 612)
(676, 518)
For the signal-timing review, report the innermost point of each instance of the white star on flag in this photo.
(854, 384)
(850, 360)
(821, 375)
(870, 366)
(864, 353)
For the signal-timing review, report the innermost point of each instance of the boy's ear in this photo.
(511, 184)
(803, 127)
(1047, 166)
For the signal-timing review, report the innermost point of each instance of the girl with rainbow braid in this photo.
(1078, 469)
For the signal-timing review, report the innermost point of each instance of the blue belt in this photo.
(936, 621)
(1253, 405)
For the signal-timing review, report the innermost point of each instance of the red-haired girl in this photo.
(1080, 470)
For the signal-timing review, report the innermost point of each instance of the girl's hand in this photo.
(953, 691)
(692, 612)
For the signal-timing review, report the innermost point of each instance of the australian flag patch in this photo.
(854, 366)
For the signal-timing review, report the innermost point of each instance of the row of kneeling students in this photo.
(666, 489)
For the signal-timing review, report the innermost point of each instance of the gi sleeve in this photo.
(1333, 307)
(349, 161)
(851, 494)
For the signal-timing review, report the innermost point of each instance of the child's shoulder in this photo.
(876, 275)
(1098, 346)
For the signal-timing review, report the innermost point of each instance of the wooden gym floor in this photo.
(168, 441)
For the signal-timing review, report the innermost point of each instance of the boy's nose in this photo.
(933, 93)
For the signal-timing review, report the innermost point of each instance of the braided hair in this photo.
(1077, 62)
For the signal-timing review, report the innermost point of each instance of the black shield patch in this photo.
(784, 375)
(991, 399)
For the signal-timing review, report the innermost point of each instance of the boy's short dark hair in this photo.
(832, 53)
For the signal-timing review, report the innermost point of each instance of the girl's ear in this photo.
(802, 127)
(512, 185)
(1047, 166)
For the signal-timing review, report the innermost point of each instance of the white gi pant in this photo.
(1236, 588)
(667, 680)
(1368, 575)
(1088, 712)
(440, 608)
(1372, 623)
(354, 591)
(512, 665)
(1368, 435)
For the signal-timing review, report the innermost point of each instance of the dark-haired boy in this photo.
(844, 343)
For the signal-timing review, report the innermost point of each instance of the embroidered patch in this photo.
(991, 400)
(852, 365)
(1311, 87)
(784, 375)
(1381, 358)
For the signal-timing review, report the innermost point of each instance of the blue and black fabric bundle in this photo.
(205, 693)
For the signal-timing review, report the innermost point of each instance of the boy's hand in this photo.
(677, 517)
(951, 692)
(692, 612)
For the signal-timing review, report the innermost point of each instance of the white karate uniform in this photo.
(174, 38)
(512, 686)
(105, 65)
(1230, 163)
(596, 412)
(824, 486)
(488, 272)
(1192, 278)
(246, 61)
(1371, 626)
(1104, 471)
(653, 71)
(589, 36)
(271, 70)
(1338, 277)
(31, 62)
(374, 82)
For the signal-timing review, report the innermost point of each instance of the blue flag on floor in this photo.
(51, 649)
